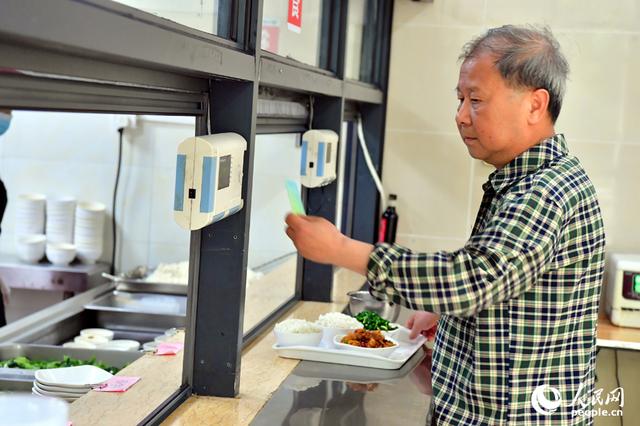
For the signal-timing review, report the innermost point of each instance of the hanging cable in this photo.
(113, 203)
(372, 169)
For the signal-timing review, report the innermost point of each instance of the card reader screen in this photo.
(224, 174)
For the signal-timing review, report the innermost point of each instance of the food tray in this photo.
(323, 353)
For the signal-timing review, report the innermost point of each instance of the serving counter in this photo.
(272, 389)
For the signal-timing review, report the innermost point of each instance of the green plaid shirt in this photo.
(519, 302)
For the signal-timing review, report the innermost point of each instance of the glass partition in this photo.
(355, 31)
(291, 30)
(210, 16)
(272, 261)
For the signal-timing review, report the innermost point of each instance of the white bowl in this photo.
(121, 345)
(61, 253)
(24, 409)
(297, 339)
(92, 338)
(31, 248)
(401, 334)
(370, 351)
(328, 334)
(102, 332)
(89, 206)
(89, 255)
(79, 345)
(73, 377)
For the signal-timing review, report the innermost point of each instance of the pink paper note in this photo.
(117, 384)
(166, 348)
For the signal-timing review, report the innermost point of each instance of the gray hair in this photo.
(525, 57)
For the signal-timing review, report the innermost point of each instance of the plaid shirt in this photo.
(519, 302)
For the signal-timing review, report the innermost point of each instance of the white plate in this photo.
(322, 353)
(56, 394)
(77, 391)
(74, 377)
(35, 392)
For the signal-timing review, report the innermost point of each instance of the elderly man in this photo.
(518, 304)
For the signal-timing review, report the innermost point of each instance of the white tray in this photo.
(344, 356)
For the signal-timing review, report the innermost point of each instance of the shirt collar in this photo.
(526, 163)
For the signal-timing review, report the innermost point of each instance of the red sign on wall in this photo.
(294, 16)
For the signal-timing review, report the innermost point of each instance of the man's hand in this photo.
(422, 323)
(315, 237)
(319, 240)
(6, 292)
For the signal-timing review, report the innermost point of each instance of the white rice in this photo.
(297, 326)
(338, 320)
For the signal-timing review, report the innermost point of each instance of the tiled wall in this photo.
(65, 154)
(439, 185)
(426, 164)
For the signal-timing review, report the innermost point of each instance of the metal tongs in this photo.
(136, 273)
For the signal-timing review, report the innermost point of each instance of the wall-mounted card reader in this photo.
(318, 158)
(208, 184)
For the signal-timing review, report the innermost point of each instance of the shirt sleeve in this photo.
(500, 262)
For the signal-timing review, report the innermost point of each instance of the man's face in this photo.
(491, 116)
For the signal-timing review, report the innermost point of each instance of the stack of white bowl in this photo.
(89, 227)
(29, 214)
(68, 383)
(101, 338)
(60, 214)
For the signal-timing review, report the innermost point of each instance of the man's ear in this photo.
(539, 102)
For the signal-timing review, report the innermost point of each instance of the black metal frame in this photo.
(124, 60)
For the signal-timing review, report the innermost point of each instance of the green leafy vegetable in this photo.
(67, 361)
(372, 321)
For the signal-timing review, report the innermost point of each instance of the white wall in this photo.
(426, 164)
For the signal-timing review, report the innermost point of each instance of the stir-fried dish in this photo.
(367, 339)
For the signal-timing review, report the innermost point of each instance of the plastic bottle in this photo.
(389, 222)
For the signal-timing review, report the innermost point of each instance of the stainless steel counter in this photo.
(330, 394)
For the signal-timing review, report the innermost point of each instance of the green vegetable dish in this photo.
(67, 361)
(372, 321)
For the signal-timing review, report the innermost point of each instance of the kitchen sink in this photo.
(135, 316)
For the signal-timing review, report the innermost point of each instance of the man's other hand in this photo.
(422, 323)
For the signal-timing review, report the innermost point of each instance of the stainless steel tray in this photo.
(20, 379)
(125, 283)
(141, 303)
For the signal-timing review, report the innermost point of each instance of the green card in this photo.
(294, 197)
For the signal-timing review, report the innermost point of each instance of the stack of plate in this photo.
(68, 383)
(88, 230)
(60, 213)
(29, 214)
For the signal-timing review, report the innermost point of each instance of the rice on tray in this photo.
(297, 326)
(338, 320)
